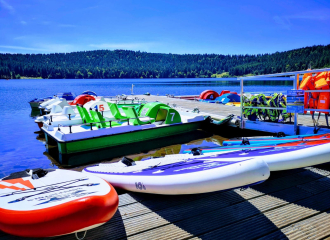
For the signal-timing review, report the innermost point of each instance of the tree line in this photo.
(136, 64)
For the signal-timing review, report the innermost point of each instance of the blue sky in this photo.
(163, 26)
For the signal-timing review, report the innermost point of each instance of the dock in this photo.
(220, 111)
(292, 204)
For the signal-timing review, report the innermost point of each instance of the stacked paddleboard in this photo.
(276, 140)
(284, 156)
(45, 203)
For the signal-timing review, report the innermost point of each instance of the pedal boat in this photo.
(146, 122)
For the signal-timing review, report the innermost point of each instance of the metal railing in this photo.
(295, 87)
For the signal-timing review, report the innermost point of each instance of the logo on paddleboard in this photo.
(16, 184)
(140, 186)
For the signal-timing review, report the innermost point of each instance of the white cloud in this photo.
(23, 48)
(23, 22)
(43, 48)
(131, 46)
(283, 22)
(57, 48)
(19, 37)
(7, 6)
(67, 25)
(322, 14)
(319, 15)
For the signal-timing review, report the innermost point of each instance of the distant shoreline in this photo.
(125, 64)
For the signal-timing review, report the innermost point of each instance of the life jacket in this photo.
(308, 83)
(283, 114)
(262, 102)
(324, 97)
(250, 113)
(272, 113)
(328, 78)
(246, 103)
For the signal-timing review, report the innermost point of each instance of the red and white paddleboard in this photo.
(45, 203)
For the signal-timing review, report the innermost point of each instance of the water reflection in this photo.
(41, 137)
(34, 113)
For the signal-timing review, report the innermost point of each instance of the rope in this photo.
(78, 238)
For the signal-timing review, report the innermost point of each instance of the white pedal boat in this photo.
(69, 115)
(46, 203)
(48, 102)
(60, 104)
(173, 176)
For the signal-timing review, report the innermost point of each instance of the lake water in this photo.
(21, 148)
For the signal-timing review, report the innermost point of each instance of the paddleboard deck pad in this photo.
(176, 176)
(45, 203)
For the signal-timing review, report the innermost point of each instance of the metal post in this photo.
(297, 82)
(295, 87)
(242, 92)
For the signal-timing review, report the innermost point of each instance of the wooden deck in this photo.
(291, 204)
(219, 111)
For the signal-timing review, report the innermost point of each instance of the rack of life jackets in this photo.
(317, 94)
(266, 108)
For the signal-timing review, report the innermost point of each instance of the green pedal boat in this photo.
(102, 138)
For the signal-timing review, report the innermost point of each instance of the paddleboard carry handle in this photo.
(280, 134)
(245, 141)
(196, 151)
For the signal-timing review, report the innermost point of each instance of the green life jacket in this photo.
(272, 113)
(262, 102)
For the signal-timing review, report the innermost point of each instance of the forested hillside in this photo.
(131, 64)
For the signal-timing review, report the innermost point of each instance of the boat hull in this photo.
(34, 105)
(83, 151)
